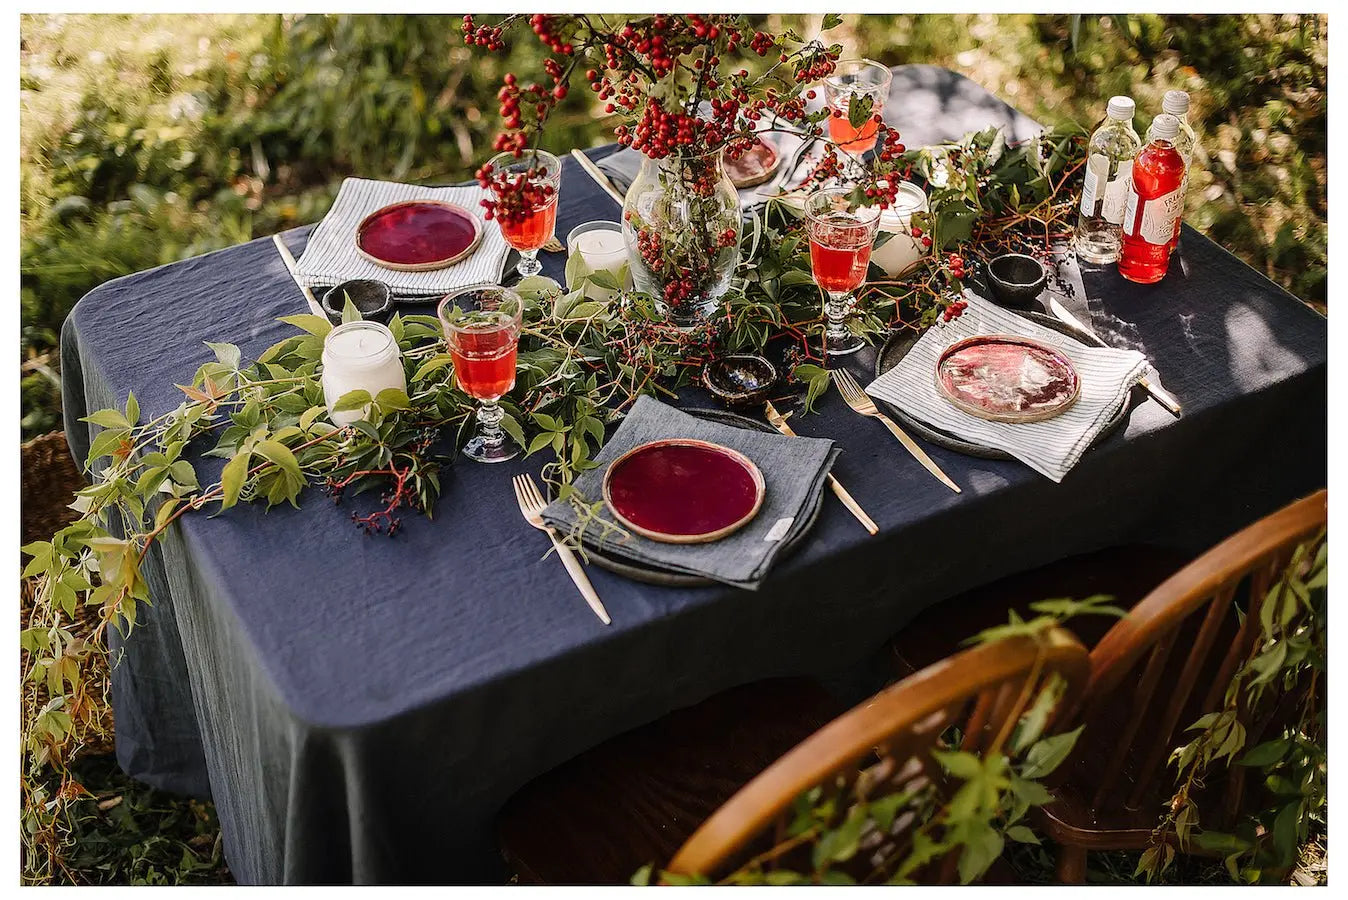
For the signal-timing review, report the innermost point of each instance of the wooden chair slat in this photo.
(1122, 780)
(1151, 676)
(991, 678)
(1198, 653)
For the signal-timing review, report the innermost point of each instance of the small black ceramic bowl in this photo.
(373, 298)
(741, 379)
(1016, 279)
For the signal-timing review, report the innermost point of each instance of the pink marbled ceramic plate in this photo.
(1007, 378)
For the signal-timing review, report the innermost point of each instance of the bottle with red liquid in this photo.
(1155, 204)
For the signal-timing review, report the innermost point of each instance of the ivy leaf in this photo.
(357, 399)
(349, 311)
(233, 477)
(859, 109)
(315, 325)
(108, 418)
(1022, 834)
(1266, 754)
(831, 20)
(390, 399)
(511, 426)
(816, 382)
(227, 355)
(309, 415)
(980, 849)
(1046, 755)
(132, 408)
(106, 442)
(435, 363)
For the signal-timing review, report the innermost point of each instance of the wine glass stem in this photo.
(836, 308)
(489, 416)
(529, 264)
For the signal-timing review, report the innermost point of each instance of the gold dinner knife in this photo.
(779, 422)
(1160, 394)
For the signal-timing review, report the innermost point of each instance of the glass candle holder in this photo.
(900, 250)
(597, 247)
(482, 329)
(841, 236)
(529, 233)
(852, 80)
(359, 356)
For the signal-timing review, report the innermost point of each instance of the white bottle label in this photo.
(1099, 186)
(1159, 215)
(1116, 193)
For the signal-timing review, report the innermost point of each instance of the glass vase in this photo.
(681, 223)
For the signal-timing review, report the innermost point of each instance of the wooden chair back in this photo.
(1185, 634)
(983, 690)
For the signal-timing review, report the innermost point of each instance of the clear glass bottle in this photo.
(1109, 167)
(1176, 103)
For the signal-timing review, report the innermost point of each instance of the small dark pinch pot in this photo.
(741, 379)
(1016, 279)
(373, 298)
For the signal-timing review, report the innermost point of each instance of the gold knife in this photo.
(1160, 394)
(779, 422)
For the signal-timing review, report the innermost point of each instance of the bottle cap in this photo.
(1176, 103)
(1121, 108)
(1165, 127)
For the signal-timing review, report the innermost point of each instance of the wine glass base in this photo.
(479, 450)
(843, 346)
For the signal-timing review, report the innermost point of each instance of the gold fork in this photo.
(863, 404)
(532, 505)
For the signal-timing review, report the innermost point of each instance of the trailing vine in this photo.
(580, 366)
(844, 832)
(1288, 660)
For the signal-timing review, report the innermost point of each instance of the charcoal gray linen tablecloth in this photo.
(360, 707)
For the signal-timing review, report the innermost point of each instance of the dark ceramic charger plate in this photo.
(898, 346)
(656, 575)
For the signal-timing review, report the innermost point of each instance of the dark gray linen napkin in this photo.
(793, 470)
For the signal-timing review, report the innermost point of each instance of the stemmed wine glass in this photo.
(544, 171)
(482, 329)
(841, 236)
(851, 81)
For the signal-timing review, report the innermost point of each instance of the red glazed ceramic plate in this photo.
(1007, 378)
(418, 235)
(755, 166)
(683, 491)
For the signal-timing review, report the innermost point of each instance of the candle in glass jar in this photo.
(900, 251)
(600, 246)
(359, 356)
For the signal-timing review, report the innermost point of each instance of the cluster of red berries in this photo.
(543, 27)
(921, 236)
(762, 43)
(956, 263)
(487, 36)
(890, 145)
(954, 310)
(516, 195)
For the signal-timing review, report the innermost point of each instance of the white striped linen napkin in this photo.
(331, 258)
(1051, 447)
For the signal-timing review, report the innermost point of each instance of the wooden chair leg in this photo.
(1071, 864)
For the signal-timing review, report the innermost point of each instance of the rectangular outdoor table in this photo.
(360, 707)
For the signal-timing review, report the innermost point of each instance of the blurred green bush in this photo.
(150, 138)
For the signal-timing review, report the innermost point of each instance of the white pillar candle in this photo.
(600, 247)
(359, 356)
